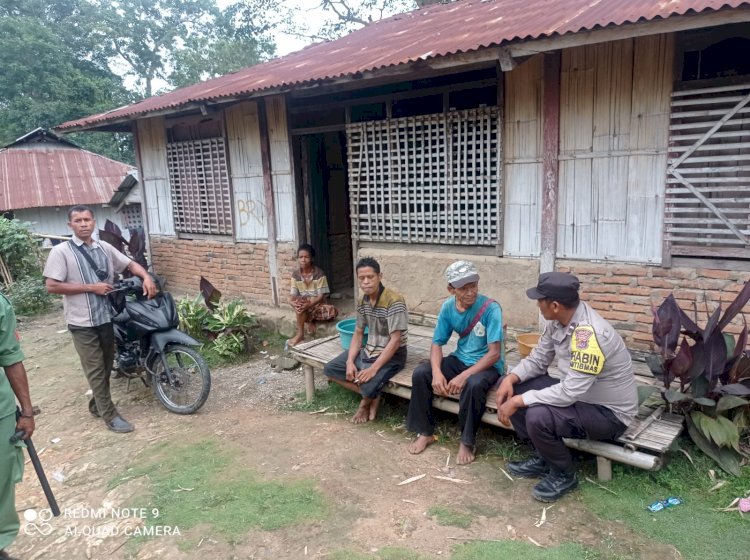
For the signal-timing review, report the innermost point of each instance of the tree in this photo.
(47, 79)
(182, 41)
(348, 15)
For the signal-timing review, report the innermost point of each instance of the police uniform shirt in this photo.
(594, 363)
(10, 353)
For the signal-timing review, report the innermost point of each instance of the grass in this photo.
(201, 484)
(484, 551)
(385, 553)
(695, 528)
(518, 549)
(449, 517)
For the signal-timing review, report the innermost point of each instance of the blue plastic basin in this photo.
(346, 332)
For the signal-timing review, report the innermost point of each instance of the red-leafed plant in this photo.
(136, 246)
(712, 370)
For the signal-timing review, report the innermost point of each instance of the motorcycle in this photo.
(150, 347)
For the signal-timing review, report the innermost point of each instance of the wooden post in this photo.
(550, 162)
(603, 469)
(265, 156)
(309, 382)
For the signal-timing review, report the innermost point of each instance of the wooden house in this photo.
(42, 175)
(610, 139)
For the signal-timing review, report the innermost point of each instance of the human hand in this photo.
(149, 287)
(100, 288)
(27, 425)
(457, 384)
(439, 386)
(351, 371)
(506, 410)
(505, 391)
(365, 375)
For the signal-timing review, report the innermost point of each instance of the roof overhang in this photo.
(506, 55)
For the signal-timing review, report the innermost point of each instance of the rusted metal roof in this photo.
(34, 175)
(430, 32)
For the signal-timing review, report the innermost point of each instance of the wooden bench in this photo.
(643, 445)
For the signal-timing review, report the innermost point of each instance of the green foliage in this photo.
(222, 493)
(713, 371)
(181, 41)
(53, 72)
(20, 251)
(226, 330)
(193, 316)
(29, 296)
(449, 517)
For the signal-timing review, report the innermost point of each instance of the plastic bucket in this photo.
(346, 332)
(527, 342)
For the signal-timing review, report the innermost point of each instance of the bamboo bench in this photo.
(643, 445)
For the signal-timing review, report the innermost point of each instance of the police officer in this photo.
(596, 398)
(13, 385)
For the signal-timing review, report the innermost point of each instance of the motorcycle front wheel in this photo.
(191, 380)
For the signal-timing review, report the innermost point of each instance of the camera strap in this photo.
(100, 274)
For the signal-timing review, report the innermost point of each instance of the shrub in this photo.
(19, 249)
(713, 371)
(225, 328)
(29, 296)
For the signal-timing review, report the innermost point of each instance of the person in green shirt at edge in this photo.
(13, 381)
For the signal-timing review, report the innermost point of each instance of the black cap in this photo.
(557, 286)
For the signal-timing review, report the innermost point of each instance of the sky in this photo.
(307, 12)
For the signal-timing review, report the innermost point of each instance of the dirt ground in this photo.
(356, 469)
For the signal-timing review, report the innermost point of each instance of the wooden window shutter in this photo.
(199, 180)
(427, 179)
(707, 203)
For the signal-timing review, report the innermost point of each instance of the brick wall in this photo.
(236, 269)
(623, 294)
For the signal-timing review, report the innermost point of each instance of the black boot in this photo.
(555, 485)
(533, 467)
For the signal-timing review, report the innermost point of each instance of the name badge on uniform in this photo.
(585, 354)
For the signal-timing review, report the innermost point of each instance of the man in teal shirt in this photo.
(13, 381)
(470, 371)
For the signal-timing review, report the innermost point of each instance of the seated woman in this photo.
(308, 296)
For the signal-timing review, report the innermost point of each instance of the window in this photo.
(707, 200)
(427, 179)
(199, 179)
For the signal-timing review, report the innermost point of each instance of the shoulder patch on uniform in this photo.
(585, 354)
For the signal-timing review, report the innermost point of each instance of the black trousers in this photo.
(544, 426)
(421, 418)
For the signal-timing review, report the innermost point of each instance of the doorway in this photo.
(324, 205)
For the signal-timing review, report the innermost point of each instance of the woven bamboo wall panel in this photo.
(199, 181)
(708, 179)
(427, 179)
